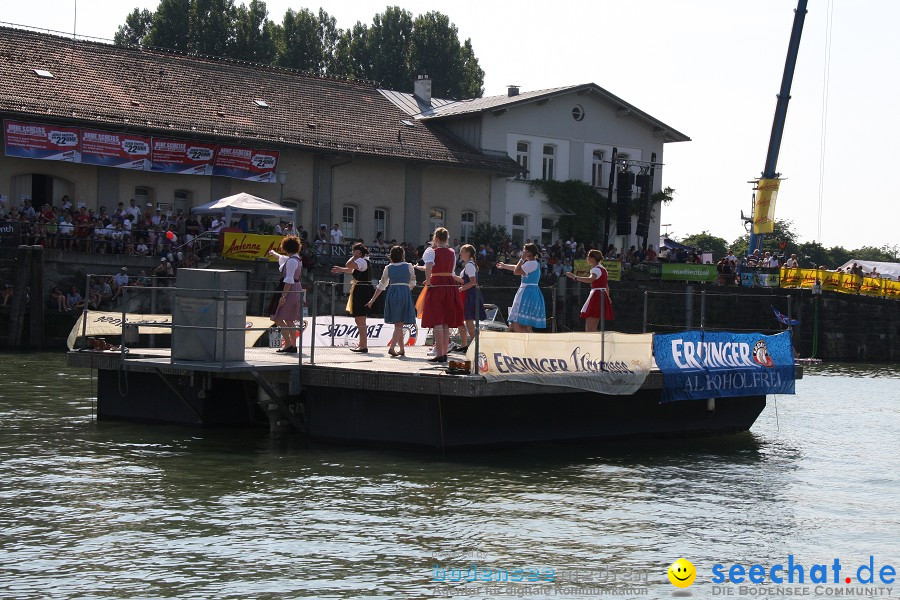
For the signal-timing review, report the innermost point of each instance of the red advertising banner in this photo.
(121, 150)
(47, 142)
(182, 156)
(246, 163)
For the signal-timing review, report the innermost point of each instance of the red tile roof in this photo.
(173, 93)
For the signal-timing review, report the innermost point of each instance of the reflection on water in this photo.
(125, 510)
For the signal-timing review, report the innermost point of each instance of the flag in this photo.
(784, 319)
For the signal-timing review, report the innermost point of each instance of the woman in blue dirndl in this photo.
(398, 279)
(528, 310)
(470, 293)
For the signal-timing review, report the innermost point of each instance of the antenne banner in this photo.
(249, 246)
(566, 359)
(47, 142)
(120, 150)
(764, 210)
(700, 364)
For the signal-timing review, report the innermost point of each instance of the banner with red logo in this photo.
(246, 163)
(183, 157)
(47, 142)
(608, 363)
(120, 150)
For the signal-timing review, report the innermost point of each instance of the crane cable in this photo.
(829, 22)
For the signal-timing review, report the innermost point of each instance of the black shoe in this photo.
(360, 350)
(438, 359)
(462, 349)
(288, 350)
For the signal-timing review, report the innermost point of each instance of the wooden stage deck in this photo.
(334, 367)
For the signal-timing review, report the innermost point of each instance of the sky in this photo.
(709, 68)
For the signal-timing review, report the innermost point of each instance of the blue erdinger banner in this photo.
(698, 365)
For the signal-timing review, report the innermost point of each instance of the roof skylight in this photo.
(43, 73)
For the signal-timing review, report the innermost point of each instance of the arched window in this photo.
(549, 164)
(143, 195)
(597, 169)
(519, 226)
(348, 221)
(184, 199)
(436, 219)
(467, 226)
(522, 149)
(381, 223)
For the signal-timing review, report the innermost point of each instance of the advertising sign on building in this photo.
(246, 163)
(120, 150)
(47, 142)
(183, 157)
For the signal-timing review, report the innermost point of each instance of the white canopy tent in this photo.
(243, 204)
(891, 270)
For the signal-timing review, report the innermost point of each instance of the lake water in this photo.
(99, 509)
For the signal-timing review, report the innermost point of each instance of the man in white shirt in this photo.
(133, 209)
(791, 263)
(216, 225)
(337, 236)
(155, 219)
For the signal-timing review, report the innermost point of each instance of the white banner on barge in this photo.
(342, 332)
(567, 359)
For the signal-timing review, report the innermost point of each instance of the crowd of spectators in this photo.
(126, 229)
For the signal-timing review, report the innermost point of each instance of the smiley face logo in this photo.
(682, 573)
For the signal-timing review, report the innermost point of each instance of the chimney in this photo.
(422, 88)
(512, 90)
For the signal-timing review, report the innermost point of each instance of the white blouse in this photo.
(386, 280)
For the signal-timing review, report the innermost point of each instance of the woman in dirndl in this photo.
(398, 279)
(470, 293)
(443, 308)
(598, 277)
(287, 308)
(361, 291)
(528, 310)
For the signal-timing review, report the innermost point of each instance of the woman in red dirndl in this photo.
(599, 280)
(443, 308)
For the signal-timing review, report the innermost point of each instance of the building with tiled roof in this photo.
(575, 132)
(345, 153)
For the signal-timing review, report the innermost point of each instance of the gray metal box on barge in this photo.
(202, 310)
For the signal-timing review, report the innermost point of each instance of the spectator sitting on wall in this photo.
(6, 293)
(74, 300)
(100, 292)
(119, 280)
(58, 300)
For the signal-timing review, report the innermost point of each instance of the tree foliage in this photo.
(783, 232)
(488, 234)
(171, 25)
(137, 26)
(707, 242)
(392, 50)
(579, 198)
